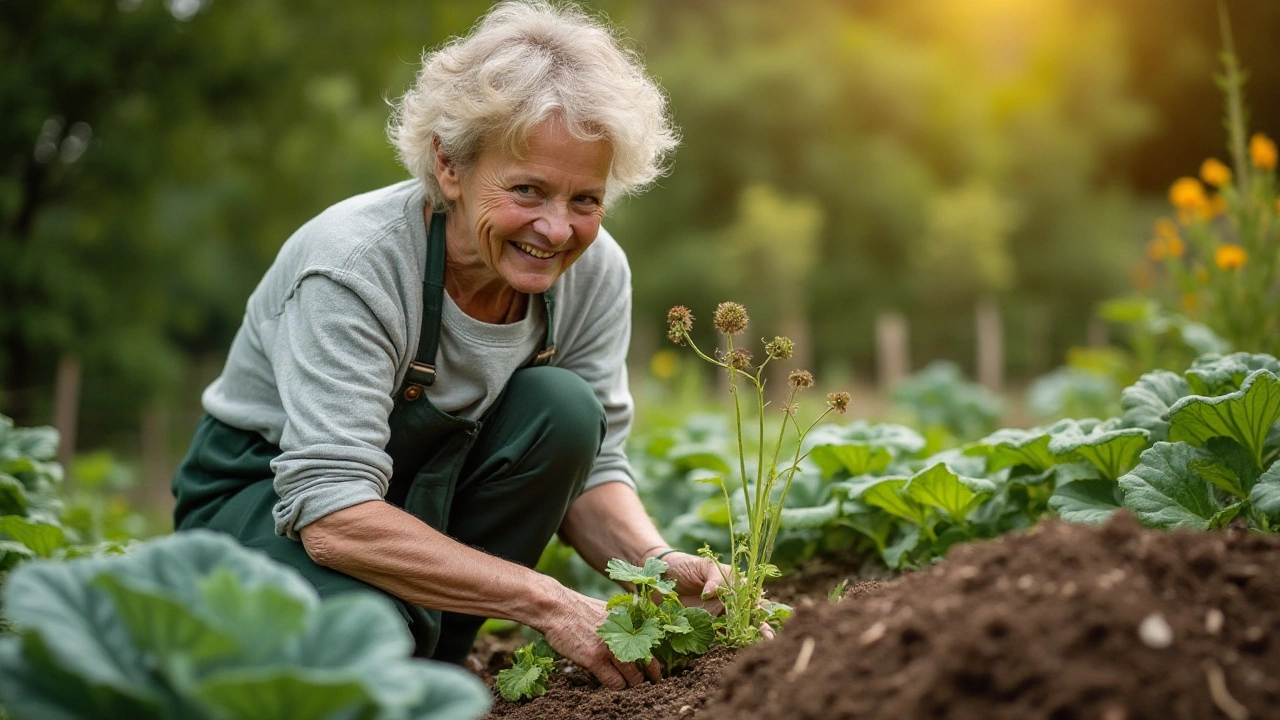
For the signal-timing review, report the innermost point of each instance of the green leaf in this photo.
(954, 495)
(1230, 467)
(1111, 449)
(810, 518)
(1146, 403)
(1245, 416)
(1225, 515)
(162, 625)
(1010, 447)
(35, 685)
(888, 495)
(699, 456)
(1265, 495)
(1086, 501)
(43, 539)
(12, 553)
(1213, 375)
(697, 640)
(853, 459)
(527, 677)
(37, 443)
(895, 555)
(13, 496)
(282, 694)
(1166, 492)
(629, 643)
(261, 619)
(648, 576)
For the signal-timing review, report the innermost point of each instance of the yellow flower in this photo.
(1262, 150)
(1214, 173)
(1175, 247)
(1230, 257)
(1187, 194)
(1157, 249)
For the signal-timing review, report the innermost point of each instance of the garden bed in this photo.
(1064, 621)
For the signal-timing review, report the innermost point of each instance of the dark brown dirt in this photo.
(573, 694)
(1061, 622)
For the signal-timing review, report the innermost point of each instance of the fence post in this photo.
(66, 407)
(990, 334)
(893, 350)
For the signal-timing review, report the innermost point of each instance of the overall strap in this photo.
(549, 345)
(422, 371)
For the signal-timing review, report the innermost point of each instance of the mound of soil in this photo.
(1061, 622)
(573, 693)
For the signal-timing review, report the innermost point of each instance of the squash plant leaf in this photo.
(648, 576)
(810, 518)
(1113, 450)
(1146, 403)
(895, 555)
(1265, 495)
(281, 694)
(43, 539)
(1245, 415)
(888, 495)
(1226, 515)
(859, 448)
(1011, 447)
(697, 639)
(1086, 501)
(852, 459)
(527, 677)
(943, 489)
(628, 642)
(1166, 492)
(1230, 468)
(1213, 375)
(13, 496)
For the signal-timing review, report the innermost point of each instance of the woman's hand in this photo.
(571, 630)
(698, 580)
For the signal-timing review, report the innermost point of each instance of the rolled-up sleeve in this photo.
(335, 365)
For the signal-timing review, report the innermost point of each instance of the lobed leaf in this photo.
(1112, 449)
(648, 576)
(810, 518)
(1010, 447)
(1146, 403)
(1265, 495)
(1213, 375)
(527, 677)
(954, 495)
(628, 642)
(888, 495)
(1165, 491)
(43, 539)
(700, 634)
(1245, 415)
(1086, 501)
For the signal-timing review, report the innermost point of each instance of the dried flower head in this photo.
(679, 323)
(781, 348)
(730, 318)
(838, 401)
(740, 359)
(790, 408)
(800, 379)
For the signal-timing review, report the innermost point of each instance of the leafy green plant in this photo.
(640, 628)
(946, 407)
(196, 626)
(527, 677)
(763, 492)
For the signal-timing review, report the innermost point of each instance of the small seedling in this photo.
(652, 622)
(527, 677)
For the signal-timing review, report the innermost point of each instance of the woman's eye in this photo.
(587, 200)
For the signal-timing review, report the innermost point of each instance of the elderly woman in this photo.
(429, 381)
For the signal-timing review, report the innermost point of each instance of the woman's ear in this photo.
(447, 174)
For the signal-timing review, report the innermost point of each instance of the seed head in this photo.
(781, 348)
(740, 359)
(730, 318)
(838, 401)
(800, 379)
(679, 323)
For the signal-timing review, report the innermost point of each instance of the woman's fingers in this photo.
(653, 670)
(629, 671)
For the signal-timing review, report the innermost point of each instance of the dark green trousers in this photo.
(501, 484)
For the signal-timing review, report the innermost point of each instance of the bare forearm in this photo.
(394, 551)
(608, 521)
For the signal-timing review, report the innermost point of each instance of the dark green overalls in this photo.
(502, 484)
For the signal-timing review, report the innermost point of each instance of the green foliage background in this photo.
(839, 159)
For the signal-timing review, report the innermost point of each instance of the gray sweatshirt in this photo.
(330, 330)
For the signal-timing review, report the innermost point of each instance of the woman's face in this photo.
(524, 221)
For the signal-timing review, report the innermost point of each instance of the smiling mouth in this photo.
(531, 250)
